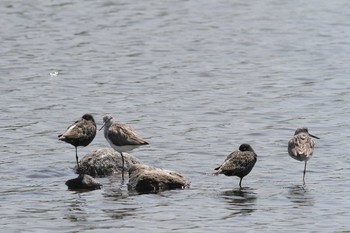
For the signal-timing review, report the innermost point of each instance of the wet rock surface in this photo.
(148, 179)
(83, 182)
(105, 162)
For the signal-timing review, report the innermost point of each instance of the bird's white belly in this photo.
(125, 148)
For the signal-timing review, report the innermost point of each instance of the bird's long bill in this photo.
(314, 136)
(106, 123)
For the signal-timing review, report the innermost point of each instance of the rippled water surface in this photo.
(195, 79)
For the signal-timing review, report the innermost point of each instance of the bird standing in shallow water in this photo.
(301, 146)
(121, 137)
(238, 163)
(80, 133)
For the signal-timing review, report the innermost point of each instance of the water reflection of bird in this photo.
(240, 201)
(301, 146)
(238, 163)
(121, 137)
(80, 133)
(300, 195)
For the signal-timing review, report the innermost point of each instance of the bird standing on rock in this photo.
(80, 133)
(238, 163)
(121, 137)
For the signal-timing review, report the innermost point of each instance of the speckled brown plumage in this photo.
(80, 133)
(238, 163)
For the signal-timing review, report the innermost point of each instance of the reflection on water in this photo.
(114, 189)
(115, 193)
(76, 210)
(240, 201)
(120, 213)
(299, 194)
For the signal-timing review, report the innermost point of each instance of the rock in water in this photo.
(147, 179)
(104, 162)
(83, 182)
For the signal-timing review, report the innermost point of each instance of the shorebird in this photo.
(80, 133)
(121, 137)
(238, 163)
(301, 146)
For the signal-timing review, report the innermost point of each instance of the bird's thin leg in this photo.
(76, 157)
(304, 172)
(121, 153)
(240, 182)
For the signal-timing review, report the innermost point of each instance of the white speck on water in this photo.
(54, 74)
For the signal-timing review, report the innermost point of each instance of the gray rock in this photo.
(147, 179)
(83, 182)
(104, 162)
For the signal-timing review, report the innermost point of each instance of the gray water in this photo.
(195, 79)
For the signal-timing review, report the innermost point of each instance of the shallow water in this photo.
(195, 79)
